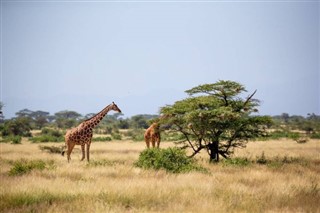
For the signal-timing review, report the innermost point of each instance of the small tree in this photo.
(17, 127)
(215, 118)
(66, 119)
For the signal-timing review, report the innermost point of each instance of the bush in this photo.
(136, 134)
(18, 126)
(172, 136)
(53, 132)
(261, 159)
(13, 139)
(315, 135)
(48, 135)
(116, 136)
(101, 139)
(23, 166)
(172, 160)
(284, 134)
(238, 161)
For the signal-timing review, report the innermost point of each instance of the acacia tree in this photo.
(66, 119)
(216, 118)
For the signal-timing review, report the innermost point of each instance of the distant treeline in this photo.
(26, 120)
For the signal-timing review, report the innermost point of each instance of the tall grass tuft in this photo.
(237, 161)
(24, 166)
(14, 139)
(52, 149)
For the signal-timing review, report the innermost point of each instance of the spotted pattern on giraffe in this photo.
(82, 134)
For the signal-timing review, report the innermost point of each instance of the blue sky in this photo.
(81, 55)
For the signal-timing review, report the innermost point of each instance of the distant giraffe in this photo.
(82, 134)
(152, 135)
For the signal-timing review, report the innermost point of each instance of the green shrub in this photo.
(261, 159)
(48, 135)
(116, 136)
(315, 135)
(24, 166)
(14, 139)
(238, 161)
(136, 134)
(172, 136)
(284, 134)
(172, 160)
(102, 139)
(43, 138)
(53, 132)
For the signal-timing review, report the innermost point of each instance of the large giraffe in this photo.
(152, 135)
(82, 134)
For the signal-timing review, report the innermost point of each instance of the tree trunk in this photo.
(214, 151)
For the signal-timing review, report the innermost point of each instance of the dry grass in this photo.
(110, 183)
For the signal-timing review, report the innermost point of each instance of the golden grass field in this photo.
(110, 183)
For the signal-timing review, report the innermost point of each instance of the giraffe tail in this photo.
(63, 150)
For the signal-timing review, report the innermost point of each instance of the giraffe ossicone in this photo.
(82, 134)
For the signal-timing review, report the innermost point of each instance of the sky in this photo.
(143, 55)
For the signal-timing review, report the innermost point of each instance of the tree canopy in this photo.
(216, 118)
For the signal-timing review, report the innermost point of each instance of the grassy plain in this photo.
(110, 182)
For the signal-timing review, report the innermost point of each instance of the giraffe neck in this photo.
(95, 120)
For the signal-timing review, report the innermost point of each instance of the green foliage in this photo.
(283, 134)
(136, 134)
(45, 138)
(310, 125)
(23, 199)
(315, 136)
(141, 121)
(216, 118)
(48, 135)
(116, 136)
(236, 162)
(278, 162)
(172, 160)
(273, 162)
(13, 139)
(102, 139)
(53, 132)
(24, 166)
(18, 126)
(172, 136)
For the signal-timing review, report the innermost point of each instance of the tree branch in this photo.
(248, 99)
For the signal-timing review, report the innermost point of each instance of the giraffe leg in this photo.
(153, 141)
(70, 148)
(88, 151)
(158, 141)
(146, 139)
(83, 151)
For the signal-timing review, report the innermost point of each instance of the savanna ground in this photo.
(286, 180)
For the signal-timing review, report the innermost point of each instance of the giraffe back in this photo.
(79, 135)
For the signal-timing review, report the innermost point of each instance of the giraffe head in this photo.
(115, 107)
